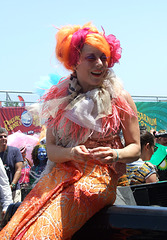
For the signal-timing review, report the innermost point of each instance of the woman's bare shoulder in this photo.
(126, 95)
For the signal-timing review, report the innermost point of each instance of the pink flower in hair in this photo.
(115, 48)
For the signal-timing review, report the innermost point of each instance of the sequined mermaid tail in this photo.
(62, 202)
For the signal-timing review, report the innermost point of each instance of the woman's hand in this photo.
(61, 154)
(80, 154)
(105, 155)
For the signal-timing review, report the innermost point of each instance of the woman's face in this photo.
(92, 68)
(42, 154)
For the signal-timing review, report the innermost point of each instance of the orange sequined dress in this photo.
(70, 193)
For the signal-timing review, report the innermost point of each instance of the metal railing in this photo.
(149, 98)
(7, 98)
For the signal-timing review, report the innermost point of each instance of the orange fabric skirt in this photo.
(62, 202)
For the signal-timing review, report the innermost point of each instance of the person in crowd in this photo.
(143, 129)
(39, 156)
(142, 171)
(13, 163)
(161, 137)
(5, 192)
(84, 113)
(153, 131)
(25, 174)
(159, 157)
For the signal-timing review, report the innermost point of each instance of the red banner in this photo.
(18, 118)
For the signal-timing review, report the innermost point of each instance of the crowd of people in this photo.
(17, 172)
(152, 164)
(92, 140)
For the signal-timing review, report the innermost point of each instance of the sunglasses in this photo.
(3, 136)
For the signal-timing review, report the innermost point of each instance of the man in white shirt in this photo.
(13, 164)
(5, 191)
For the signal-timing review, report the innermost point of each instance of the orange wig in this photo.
(71, 39)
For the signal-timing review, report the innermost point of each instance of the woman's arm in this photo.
(60, 154)
(131, 132)
(17, 175)
(152, 178)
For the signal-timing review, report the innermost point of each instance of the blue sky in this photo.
(27, 40)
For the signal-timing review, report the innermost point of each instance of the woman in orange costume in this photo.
(85, 113)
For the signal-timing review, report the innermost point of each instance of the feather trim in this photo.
(64, 108)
